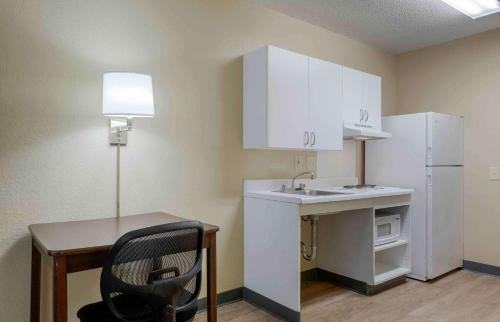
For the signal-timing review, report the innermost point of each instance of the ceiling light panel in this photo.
(475, 8)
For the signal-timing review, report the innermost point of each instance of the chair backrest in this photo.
(160, 265)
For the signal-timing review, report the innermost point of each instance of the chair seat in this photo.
(130, 305)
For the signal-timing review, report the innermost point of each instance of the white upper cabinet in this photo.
(291, 101)
(325, 105)
(362, 100)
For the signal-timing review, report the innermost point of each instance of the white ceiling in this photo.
(394, 25)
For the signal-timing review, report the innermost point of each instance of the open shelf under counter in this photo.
(385, 272)
(391, 263)
(397, 243)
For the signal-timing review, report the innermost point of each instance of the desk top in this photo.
(76, 237)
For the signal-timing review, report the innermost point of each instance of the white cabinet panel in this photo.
(288, 98)
(255, 99)
(372, 95)
(271, 250)
(361, 99)
(325, 105)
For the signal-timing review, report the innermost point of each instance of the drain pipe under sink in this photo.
(314, 229)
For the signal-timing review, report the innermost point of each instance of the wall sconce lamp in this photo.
(125, 96)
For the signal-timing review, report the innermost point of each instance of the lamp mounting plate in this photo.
(118, 130)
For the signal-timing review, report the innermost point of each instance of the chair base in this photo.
(99, 312)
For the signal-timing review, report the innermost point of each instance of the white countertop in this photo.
(253, 191)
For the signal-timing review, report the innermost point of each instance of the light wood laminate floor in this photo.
(460, 296)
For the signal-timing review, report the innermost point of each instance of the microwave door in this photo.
(384, 233)
(388, 229)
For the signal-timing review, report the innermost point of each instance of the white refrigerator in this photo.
(425, 153)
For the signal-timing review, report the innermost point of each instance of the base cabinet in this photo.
(347, 248)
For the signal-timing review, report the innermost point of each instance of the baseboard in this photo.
(350, 283)
(287, 314)
(270, 306)
(343, 281)
(309, 275)
(374, 289)
(223, 298)
(482, 268)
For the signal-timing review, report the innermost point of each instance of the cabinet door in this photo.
(287, 99)
(352, 101)
(361, 98)
(372, 95)
(325, 105)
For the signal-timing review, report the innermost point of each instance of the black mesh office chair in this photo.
(151, 274)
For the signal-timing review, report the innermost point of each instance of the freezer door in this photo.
(445, 139)
(445, 222)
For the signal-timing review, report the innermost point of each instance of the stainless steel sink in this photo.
(309, 192)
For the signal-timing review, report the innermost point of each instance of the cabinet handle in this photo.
(306, 138)
(313, 136)
(367, 116)
(361, 115)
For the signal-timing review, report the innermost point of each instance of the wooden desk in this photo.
(82, 245)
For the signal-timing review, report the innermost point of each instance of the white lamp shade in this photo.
(127, 95)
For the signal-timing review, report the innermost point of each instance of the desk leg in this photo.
(212, 279)
(35, 283)
(60, 299)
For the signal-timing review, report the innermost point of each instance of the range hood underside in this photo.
(354, 133)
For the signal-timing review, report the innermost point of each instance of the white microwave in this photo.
(387, 228)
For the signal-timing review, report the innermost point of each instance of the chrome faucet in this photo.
(301, 186)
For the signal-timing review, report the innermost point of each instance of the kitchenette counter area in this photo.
(270, 190)
(346, 247)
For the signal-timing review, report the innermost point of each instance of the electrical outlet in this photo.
(300, 162)
(494, 173)
(311, 163)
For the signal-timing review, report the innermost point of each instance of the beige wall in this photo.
(463, 78)
(55, 160)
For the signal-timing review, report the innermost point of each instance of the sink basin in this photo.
(308, 192)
